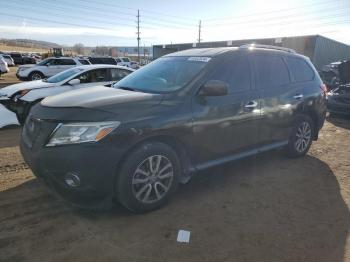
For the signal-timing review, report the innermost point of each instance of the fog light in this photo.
(72, 180)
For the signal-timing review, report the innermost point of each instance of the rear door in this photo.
(225, 125)
(280, 98)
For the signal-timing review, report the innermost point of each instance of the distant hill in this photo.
(28, 43)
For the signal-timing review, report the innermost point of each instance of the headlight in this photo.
(75, 133)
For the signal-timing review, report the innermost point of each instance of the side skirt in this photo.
(238, 156)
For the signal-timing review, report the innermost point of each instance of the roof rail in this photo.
(289, 50)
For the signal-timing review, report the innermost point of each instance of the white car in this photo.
(49, 67)
(8, 59)
(123, 61)
(3, 66)
(19, 98)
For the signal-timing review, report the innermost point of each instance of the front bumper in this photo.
(94, 163)
(22, 78)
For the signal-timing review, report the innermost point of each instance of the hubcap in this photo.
(303, 137)
(152, 179)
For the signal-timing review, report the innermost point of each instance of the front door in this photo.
(225, 125)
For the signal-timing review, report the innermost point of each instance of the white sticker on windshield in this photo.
(199, 59)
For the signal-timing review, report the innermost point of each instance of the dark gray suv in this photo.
(184, 112)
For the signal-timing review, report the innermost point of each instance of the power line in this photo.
(289, 20)
(273, 11)
(143, 10)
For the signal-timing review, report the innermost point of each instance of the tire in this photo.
(301, 136)
(36, 75)
(141, 190)
(22, 117)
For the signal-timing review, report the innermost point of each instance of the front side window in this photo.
(93, 76)
(63, 75)
(165, 74)
(46, 61)
(125, 59)
(65, 62)
(300, 70)
(235, 71)
(271, 71)
(118, 74)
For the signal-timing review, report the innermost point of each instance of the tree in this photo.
(79, 49)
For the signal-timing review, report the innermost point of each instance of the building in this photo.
(319, 49)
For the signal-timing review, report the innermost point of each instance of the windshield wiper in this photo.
(127, 88)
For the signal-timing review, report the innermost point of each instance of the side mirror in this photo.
(74, 82)
(214, 88)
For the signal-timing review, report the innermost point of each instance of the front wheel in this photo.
(301, 136)
(148, 177)
(36, 76)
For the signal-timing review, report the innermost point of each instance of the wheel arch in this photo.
(173, 143)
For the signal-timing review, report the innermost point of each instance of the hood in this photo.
(100, 97)
(12, 89)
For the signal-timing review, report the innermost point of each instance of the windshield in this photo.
(126, 59)
(63, 75)
(163, 75)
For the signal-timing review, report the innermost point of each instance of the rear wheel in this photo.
(36, 76)
(148, 177)
(301, 136)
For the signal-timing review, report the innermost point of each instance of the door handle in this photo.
(298, 96)
(251, 104)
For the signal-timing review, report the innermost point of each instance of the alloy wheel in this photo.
(303, 137)
(152, 179)
(36, 77)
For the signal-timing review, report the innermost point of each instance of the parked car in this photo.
(184, 112)
(124, 61)
(338, 100)
(336, 73)
(19, 98)
(17, 58)
(48, 67)
(28, 60)
(3, 66)
(106, 60)
(8, 59)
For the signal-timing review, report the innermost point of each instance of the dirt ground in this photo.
(9, 78)
(265, 208)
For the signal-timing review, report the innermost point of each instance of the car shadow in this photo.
(264, 208)
(342, 121)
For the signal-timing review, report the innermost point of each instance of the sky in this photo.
(113, 22)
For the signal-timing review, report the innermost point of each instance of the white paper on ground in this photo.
(183, 236)
(7, 117)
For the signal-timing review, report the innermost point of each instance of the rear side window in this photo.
(236, 72)
(300, 70)
(271, 71)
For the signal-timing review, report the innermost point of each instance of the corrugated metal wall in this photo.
(328, 50)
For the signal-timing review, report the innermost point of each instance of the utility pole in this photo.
(199, 31)
(138, 35)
